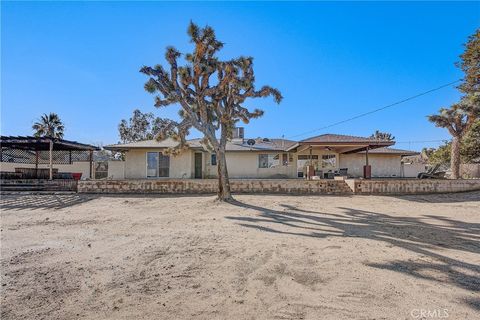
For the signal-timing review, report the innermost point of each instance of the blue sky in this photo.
(331, 61)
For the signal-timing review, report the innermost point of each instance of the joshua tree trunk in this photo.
(224, 193)
(455, 157)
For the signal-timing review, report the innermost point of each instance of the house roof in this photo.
(386, 150)
(375, 146)
(339, 138)
(260, 144)
(342, 143)
(167, 143)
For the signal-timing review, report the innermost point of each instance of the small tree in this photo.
(441, 155)
(49, 125)
(461, 116)
(382, 136)
(470, 65)
(141, 126)
(211, 94)
(458, 119)
(471, 144)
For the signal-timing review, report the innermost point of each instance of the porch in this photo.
(321, 157)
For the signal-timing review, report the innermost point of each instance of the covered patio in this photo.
(26, 153)
(320, 156)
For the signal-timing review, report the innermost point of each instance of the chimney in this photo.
(238, 134)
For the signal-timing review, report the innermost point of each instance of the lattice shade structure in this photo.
(30, 157)
(43, 143)
(33, 150)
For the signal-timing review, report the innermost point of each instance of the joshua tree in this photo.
(211, 94)
(458, 119)
(49, 125)
(52, 127)
(382, 136)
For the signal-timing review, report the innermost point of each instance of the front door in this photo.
(198, 165)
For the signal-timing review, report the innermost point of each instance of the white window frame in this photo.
(158, 166)
(326, 162)
(271, 161)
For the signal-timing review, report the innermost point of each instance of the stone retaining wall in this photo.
(281, 186)
(198, 186)
(412, 186)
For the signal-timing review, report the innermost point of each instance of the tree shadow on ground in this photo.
(471, 196)
(42, 201)
(427, 239)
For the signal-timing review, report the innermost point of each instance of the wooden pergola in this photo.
(37, 144)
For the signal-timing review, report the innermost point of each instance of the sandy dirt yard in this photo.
(77, 256)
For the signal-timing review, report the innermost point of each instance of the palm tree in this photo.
(458, 119)
(49, 126)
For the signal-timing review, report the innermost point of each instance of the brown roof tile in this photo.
(340, 138)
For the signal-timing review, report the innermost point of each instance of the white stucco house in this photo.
(329, 154)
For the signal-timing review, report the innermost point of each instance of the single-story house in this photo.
(263, 158)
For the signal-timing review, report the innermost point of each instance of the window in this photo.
(158, 165)
(307, 157)
(329, 161)
(163, 165)
(268, 160)
(213, 159)
(152, 162)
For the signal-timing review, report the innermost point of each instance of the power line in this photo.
(378, 109)
(421, 141)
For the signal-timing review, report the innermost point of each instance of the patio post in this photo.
(36, 164)
(367, 170)
(91, 163)
(310, 165)
(51, 159)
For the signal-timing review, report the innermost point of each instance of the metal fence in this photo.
(101, 169)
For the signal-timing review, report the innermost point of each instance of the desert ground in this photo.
(73, 256)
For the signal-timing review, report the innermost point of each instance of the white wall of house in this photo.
(243, 164)
(181, 166)
(116, 170)
(246, 165)
(383, 165)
